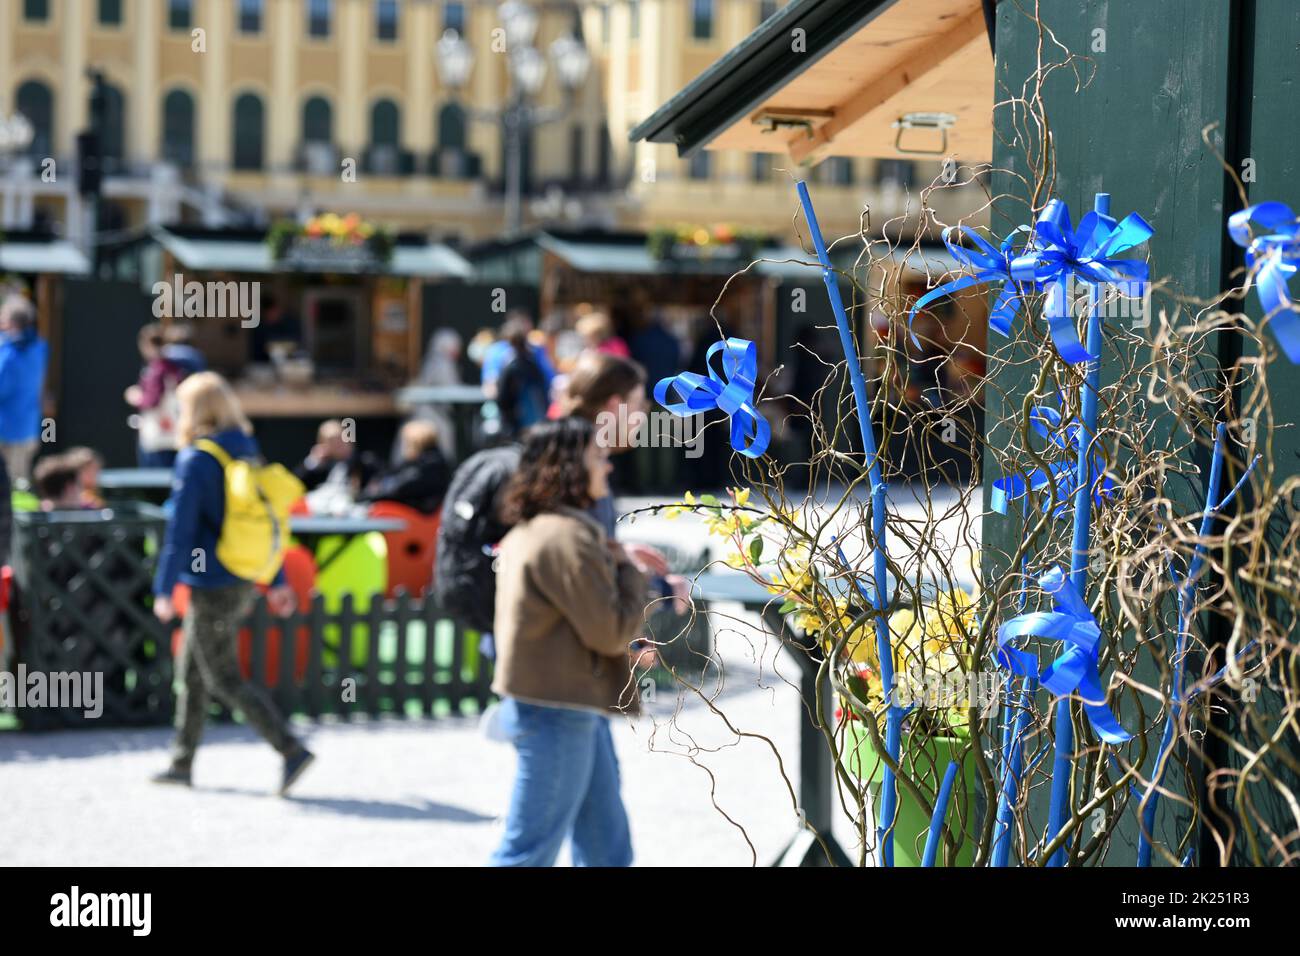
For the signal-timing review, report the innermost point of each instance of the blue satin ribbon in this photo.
(1060, 475)
(1075, 670)
(990, 265)
(1057, 251)
(732, 392)
(1273, 257)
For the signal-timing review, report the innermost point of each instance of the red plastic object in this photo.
(6, 581)
(411, 550)
(300, 575)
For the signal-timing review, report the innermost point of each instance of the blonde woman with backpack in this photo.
(225, 536)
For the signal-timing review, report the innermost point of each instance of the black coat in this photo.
(420, 484)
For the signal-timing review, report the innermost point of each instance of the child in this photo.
(55, 478)
(88, 464)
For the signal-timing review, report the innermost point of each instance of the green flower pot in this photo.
(925, 761)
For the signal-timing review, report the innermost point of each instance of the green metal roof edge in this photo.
(753, 70)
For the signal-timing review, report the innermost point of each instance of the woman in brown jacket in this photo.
(569, 603)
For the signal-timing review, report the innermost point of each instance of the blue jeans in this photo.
(566, 786)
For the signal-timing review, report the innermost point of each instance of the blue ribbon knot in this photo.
(731, 392)
(1076, 669)
(1273, 258)
(1062, 476)
(1055, 252)
(989, 265)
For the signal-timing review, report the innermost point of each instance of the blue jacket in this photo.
(198, 505)
(22, 379)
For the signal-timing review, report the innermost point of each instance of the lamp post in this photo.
(16, 134)
(527, 72)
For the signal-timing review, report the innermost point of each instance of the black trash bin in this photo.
(82, 604)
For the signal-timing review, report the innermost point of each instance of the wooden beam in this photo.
(880, 90)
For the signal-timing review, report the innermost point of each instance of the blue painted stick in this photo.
(1063, 762)
(1186, 593)
(1014, 721)
(893, 713)
(940, 811)
(1011, 781)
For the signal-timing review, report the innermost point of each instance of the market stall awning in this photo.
(56, 256)
(882, 78)
(217, 254)
(634, 258)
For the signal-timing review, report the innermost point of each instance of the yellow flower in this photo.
(735, 560)
(794, 580)
(674, 511)
(723, 525)
(741, 496)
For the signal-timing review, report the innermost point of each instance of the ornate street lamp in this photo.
(527, 73)
(16, 134)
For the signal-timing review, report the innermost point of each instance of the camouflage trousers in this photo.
(209, 667)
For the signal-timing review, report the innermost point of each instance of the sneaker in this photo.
(294, 765)
(172, 775)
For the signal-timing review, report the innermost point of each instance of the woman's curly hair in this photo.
(552, 473)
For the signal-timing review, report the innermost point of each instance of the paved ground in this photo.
(392, 792)
(416, 792)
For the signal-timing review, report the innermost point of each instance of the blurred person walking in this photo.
(569, 603)
(24, 356)
(212, 427)
(602, 389)
(154, 399)
(598, 335)
(523, 385)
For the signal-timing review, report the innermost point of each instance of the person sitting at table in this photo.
(334, 460)
(55, 480)
(88, 465)
(421, 478)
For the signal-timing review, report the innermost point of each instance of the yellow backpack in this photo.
(255, 530)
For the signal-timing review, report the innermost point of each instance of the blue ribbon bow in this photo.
(1276, 253)
(990, 265)
(1057, 251)
(732, 392)
(1061, 475)
(1072, 623)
